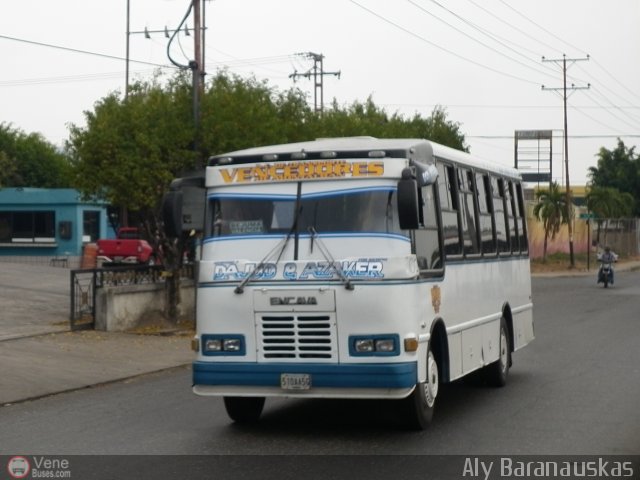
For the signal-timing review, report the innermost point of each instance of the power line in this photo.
(540, 27)
(493, 37)
(65, 78)
(85, 52)
(451, 52)
(577, 137)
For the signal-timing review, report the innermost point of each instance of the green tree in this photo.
(608, 203)
(28, 160)
(618, 169)
(240, 113)
(551, 209)
(368, 119)
(129, 150)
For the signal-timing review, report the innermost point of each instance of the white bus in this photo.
(358, 268)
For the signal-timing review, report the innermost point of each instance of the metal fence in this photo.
(85, 282)
(621, 234)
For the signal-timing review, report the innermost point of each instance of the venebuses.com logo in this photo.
(38, 466)
(18, 467)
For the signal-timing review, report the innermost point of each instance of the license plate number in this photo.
(295, 381)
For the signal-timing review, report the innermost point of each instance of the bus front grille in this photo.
(308, 336)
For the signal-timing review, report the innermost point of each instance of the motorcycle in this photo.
(605, 274)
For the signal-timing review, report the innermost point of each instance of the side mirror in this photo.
(172, 213)
(425, 174)
(408, 206)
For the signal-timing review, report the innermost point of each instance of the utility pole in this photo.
(563, 62)
(318, 73)
(126, 84)
(196, 69)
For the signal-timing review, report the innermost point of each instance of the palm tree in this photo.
(552, 211)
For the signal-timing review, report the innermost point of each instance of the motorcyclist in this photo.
(607, 257)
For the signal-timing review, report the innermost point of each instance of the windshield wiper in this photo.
(282, 246)
(327, 256)
(260, 266)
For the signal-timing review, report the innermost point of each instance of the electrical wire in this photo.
(173, 36)
(76, 50)
(440, 47)
(491, 36)
(67, 78)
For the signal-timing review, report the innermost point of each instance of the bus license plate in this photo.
(295, 381)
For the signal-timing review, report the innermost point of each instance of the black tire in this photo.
(606, 281)
(244, 409)
(496, 373)
(419, 406)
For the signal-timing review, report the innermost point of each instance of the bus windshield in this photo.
(366, 211)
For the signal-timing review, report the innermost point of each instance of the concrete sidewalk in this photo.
(40, 356)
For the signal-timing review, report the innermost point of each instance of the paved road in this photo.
(575, 390)
(34, 299)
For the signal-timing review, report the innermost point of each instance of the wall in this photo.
(133, 306)
(560, 244)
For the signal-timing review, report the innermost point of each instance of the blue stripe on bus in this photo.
(304, 196)
(395, 236)
(371, 375)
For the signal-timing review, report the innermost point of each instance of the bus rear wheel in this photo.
(244, 409)
(496, 373)
(421, 403)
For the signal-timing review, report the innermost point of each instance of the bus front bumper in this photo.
(390, 380)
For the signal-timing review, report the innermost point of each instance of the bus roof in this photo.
(359, 147)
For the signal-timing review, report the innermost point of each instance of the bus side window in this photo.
(468, 213)
(500, 215)
(485, 214)
(427, 237)
(448, 195)
(512, 217)
(522, 223)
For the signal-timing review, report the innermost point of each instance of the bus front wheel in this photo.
(421, 402)
(244, 409)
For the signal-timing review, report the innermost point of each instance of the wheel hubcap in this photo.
(432, 383)
(503, 350)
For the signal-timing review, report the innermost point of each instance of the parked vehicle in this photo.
(127, 248)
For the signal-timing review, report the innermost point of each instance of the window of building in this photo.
(27, 227)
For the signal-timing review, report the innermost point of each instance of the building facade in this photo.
(49, 225)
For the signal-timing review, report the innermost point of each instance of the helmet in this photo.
(607, 248)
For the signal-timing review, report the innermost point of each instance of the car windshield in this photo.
(367, 211)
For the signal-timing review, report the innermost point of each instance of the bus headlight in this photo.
(213, 345)
(232, 345)
(385, 345)
(364, 345)
(223, 344)
(374, 345)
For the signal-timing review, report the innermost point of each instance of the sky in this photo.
(481, 60)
